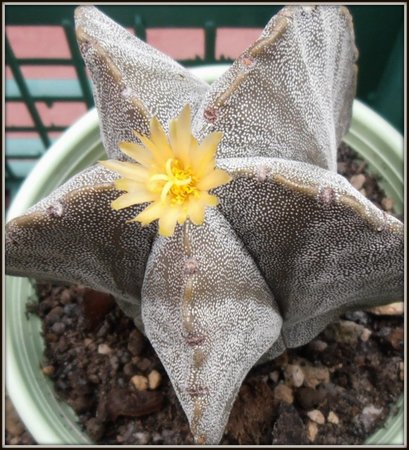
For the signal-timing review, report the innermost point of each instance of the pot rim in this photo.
(368, 131)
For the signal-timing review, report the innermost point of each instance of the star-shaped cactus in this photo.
(290, 246)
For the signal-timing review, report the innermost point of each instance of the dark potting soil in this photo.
(337, 389)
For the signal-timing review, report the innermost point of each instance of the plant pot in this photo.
(53, 422)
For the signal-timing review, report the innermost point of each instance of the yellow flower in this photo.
(174, 175)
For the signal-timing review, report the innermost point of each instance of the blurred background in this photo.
(47, 87)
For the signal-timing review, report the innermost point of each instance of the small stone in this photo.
(114, 361)
(80, 404)
(393, 309)
(309, 398)
(94, 378)
(294, 375)
(360, 317)
(142, 438)
(103, 330)
(366, 334)
(48, 371)
(104, 349)
(70, 309)
(316, 416)
(369, 415)
(274, 376)
(129, 369)
(313, 376)
(87, 342)
(312, 431)
(58, 328)
(289, 428)
(67, 321)
(54, 315)
(283, 393)
(317, 345)
(157, 438)
(154, 379)
(358, 181)
(396, 338)
(387, 204)
(124, 357)
(144, 364)
(95, 428)
(345, 331)
(341, 167)
(333, 418)
(13, 424)
(264, 378)
(51, 337)
(62, 344)
(56, 291)
(65, 297)
(140, 382)
(136, 342)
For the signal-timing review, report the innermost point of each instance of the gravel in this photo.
(334, 391)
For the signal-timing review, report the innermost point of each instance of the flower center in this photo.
(179, 183)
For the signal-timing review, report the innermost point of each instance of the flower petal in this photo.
(132, 198)
(204, 157)
(196, 210)
(181, 136)
(182, 216)
(137, 152)
(168, 220)
(215, 178)
(126, 184)
(159, 138)
(150, 213)
(158, 156)
(127, 169)
(209, 199)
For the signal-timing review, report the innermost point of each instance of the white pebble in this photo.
(104, 349)
(140, 382)
(283, 393)
(333, 418)
(154, 379)
(316, 416)
(294, 375)
(365, 335)
(274, 376)
(393, 309)
(358, 181)
(312, 431)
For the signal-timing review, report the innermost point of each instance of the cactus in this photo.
(281, 246)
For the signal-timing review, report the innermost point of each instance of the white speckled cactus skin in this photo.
(291, 246)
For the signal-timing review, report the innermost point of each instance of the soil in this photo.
(336, 390)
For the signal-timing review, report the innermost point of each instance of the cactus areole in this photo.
(219, 222)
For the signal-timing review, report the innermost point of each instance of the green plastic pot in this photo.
(51, 421)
